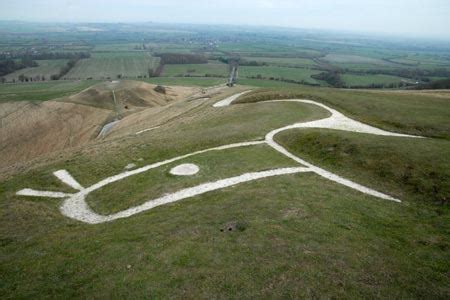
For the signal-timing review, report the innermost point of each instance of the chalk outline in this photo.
(75, 206)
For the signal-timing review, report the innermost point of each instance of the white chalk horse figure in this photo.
(75, 206)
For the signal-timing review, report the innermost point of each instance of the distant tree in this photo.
(151, 72)
(43, 78)
(331, 77)
(28, 62)
(3, 79)
(119, 76)
(438, 84)
(22, 78)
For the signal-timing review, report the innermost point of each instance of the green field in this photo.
(173, 47)
(104, 65)
(266, 83)
(112, 47)
(296, 74)
(187, 81)
(42, 91)
(353, 59)
(212, 69)
(45, 68)
(406, 61)
(367, 80)
(283, 61)
(267, 49)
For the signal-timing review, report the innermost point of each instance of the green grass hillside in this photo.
(412, 112)
(42, 91)
(299, 236)
(407, 168)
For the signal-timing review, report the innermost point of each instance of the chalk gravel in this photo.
(76, 207)
(185, 170)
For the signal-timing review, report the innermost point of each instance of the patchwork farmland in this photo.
(114, 65)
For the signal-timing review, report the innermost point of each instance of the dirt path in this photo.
(229, 100)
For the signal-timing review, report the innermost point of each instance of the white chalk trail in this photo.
(65, 177)
(126, 174)
(77, 208)
(107, 128)
(338, 121)
(324, 173)
(146, 130)
(48, 194)
(229, 100)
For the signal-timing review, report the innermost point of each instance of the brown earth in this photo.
(29, 130)
(130, 96)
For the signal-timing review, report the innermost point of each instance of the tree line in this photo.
(331, 77)
(64, 70)
(10, 65)
(19, 62)
(435, 85)
(242, 62)
(45, 55)
(412, 73)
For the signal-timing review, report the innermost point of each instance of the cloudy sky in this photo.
(407, 17)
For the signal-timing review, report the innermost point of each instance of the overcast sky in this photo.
(407, 17)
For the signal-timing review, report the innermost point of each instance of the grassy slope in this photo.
(408, 168)
(408, 112)
(213, 166)
(41, 91)
(304, 237)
